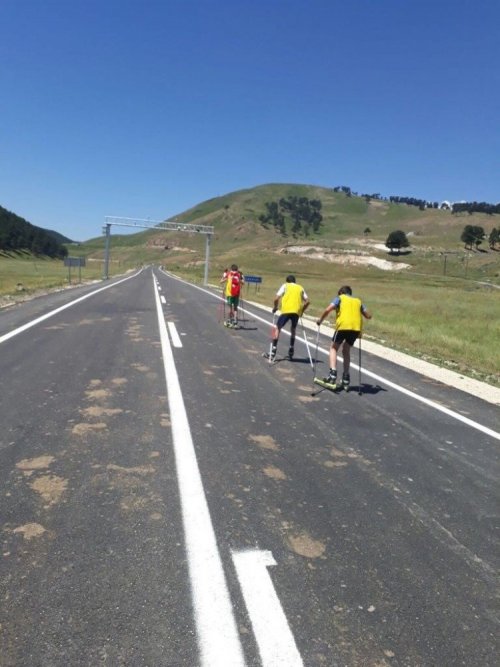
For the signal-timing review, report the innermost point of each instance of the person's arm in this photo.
(366, 313)
(305, 302)
(324, 314)
(277, 298)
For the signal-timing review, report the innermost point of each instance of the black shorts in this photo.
(284, 317)
(345, 335)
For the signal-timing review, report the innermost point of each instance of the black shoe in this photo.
(290, 353)
(331, 378)
(346, 381)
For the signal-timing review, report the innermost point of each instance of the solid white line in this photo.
(272, 633)
(218, 639)
(393, 385)
(28, 325)
(176, 341)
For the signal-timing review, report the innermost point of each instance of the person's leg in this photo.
(350, 339)
(333, 356)
(332, 375)
(236, 304)
(276, 334)
(346, 353)
(293, 329)
(274, 345)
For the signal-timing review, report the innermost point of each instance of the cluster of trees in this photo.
(397, 240)
(494, 238)
(422, 204)
(18, 234)
(474, 235)
(475, 207)
(305, 215)
(345, 189)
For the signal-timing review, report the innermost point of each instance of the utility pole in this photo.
(107, 230)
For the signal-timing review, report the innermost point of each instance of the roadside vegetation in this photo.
(434, 298)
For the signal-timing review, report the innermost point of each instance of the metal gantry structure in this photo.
(157, 225)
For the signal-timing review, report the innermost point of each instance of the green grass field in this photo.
(444, 308)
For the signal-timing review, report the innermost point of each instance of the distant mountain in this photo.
(16, 234)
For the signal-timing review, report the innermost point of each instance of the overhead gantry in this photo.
(158, 225)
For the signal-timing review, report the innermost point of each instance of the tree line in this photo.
(422, 204)
(475, 207)
(304, 215)
(16, 233)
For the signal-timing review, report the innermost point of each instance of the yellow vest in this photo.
(291, 301)
(348, 315)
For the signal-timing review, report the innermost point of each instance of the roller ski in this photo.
(231, 324)
(332, 384)
(270, 357)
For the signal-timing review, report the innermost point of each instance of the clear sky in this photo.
(144, 108)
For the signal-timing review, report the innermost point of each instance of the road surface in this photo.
(170, 499)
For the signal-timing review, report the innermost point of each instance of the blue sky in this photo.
(144, 108)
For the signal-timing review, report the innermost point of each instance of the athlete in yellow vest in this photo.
(294, 301)
(349, 313)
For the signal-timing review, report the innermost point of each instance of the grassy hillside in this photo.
(443, 307)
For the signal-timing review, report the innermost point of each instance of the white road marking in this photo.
(218, 639)
(272, 633)
(397, 387)
(163, 300)
(176, 341)
(28, 325)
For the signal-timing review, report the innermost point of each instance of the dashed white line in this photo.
(176, 341)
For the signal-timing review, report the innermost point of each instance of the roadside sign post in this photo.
(74, 261)
(256, 280)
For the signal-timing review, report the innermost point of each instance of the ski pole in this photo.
(272, 334)
(316, 352)
(221, 309)
(315, 393)
(359, 367)
(241, 307)
(307, 344)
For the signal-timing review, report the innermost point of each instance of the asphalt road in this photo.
(169, 498)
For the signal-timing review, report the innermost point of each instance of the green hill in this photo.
(240, 236)
(17, 234)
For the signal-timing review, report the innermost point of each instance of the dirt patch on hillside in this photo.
(348, 257)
